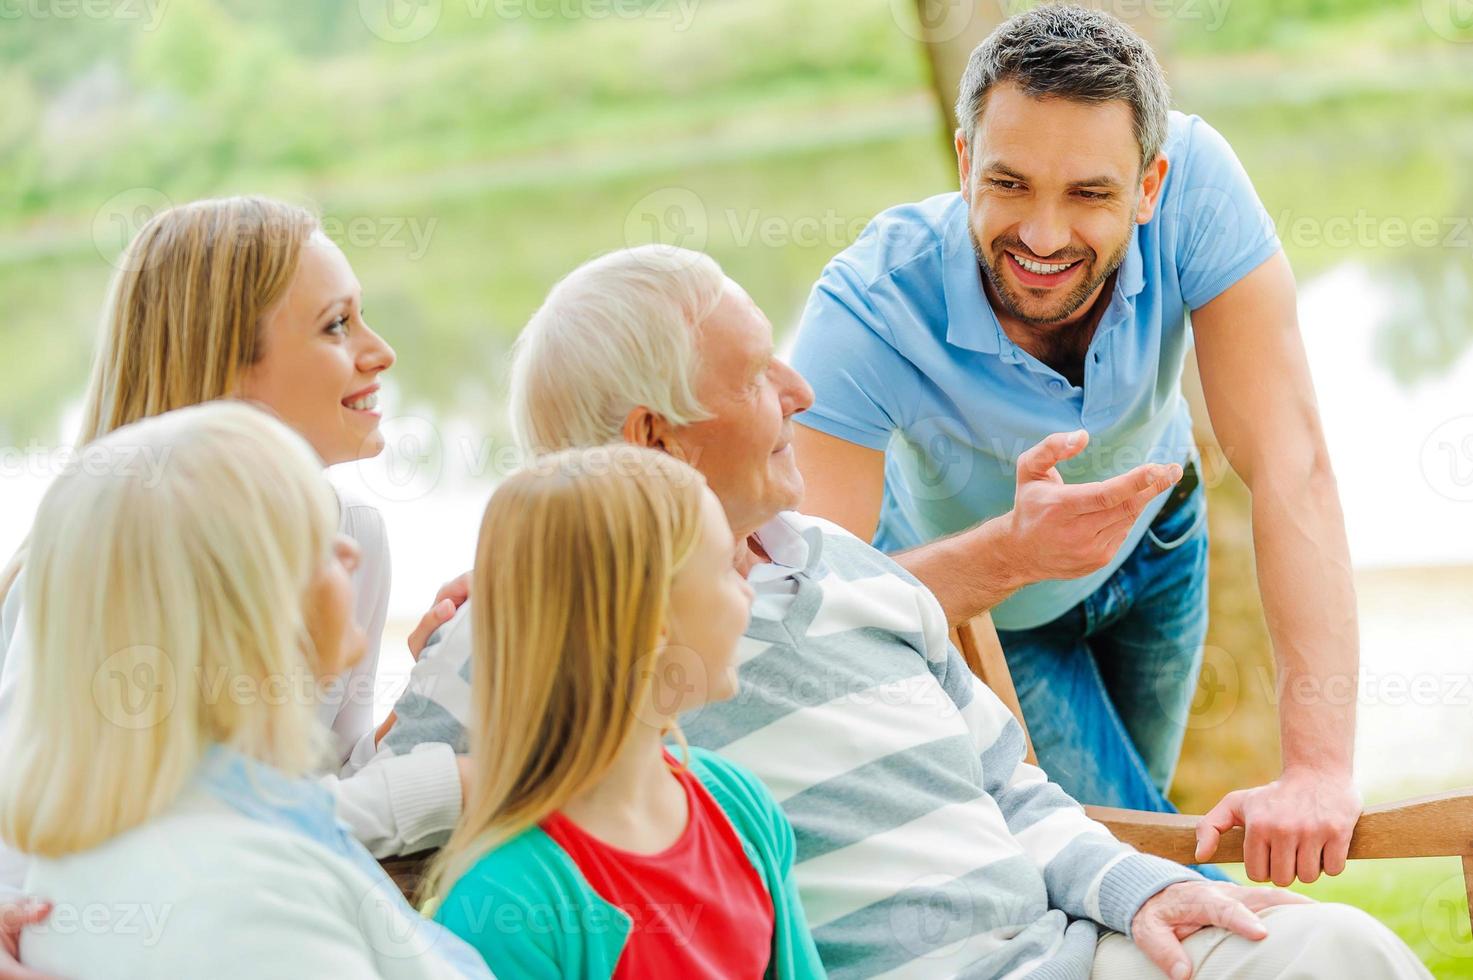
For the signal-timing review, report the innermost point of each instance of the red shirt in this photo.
(699, 907)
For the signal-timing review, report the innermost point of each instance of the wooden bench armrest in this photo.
(1428, 826)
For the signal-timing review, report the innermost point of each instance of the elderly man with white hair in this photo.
(926, 845)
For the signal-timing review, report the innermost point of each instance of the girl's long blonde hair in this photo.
(569, 600)
(166, 591)
(185, 311)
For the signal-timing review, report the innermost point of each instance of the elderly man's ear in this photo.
(645, 428)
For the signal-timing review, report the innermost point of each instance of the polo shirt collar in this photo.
(1132, 278)
(790, 548)
(970, 321)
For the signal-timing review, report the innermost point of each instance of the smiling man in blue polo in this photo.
(997, 401)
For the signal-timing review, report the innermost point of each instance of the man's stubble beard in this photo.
(1071, 303)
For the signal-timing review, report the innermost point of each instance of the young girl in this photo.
(605, 603)
(156, 757)
(245, 297)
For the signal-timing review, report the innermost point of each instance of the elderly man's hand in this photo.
(1179, 910)
(15, 916)
(1062, 530)
(1297, 825)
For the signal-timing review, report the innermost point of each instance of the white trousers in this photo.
(1323, 941)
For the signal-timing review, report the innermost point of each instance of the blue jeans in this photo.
(1107, 687)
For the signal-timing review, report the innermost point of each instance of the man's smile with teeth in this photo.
(1042, 268)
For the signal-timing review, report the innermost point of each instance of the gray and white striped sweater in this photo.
(926, 846)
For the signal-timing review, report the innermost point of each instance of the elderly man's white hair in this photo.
(616, 333)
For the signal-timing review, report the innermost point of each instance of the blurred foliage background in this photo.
(483, 157)
(527, 139)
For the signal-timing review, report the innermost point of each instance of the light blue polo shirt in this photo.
(905, 354)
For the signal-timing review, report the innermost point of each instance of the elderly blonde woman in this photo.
(158, 758)
(925, 842)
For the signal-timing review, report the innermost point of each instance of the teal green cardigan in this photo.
(530, 912)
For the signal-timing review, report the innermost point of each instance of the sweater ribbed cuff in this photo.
(1130, 883)
(424, 793)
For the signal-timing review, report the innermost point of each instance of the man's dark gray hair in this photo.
(1069, 52)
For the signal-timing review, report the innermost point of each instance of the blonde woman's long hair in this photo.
(166, 587)
(185, 310)
(570, 597)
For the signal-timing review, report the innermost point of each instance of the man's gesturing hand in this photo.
(1063, 530)
(1179, 910)
(1296, 826)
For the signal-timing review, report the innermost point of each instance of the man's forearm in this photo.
(1309, 602)
(968, 572)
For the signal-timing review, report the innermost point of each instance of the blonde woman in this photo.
(245, 297)
(587, 850)
(158, 753)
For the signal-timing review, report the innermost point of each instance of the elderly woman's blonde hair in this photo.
(570, 600)
(166, 608)
(185, 311)
(616, 333)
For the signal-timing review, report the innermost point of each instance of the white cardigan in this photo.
(213, 888)
(394, 805)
